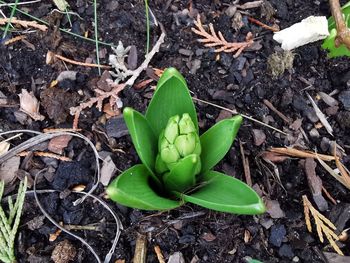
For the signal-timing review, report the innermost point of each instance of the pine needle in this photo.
(96, 37)
(323, 225)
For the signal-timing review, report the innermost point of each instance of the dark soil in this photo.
(242, 84)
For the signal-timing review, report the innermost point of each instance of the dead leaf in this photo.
(107, 171)
(36, 222)
(4, 147)
(9, 168)
(57, 144)
(330, 101)
(29, 104)
(61, 4)
(207, 236)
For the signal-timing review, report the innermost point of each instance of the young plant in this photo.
(176, 162)
(9, 224)
(335, 46)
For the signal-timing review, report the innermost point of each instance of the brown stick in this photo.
(301, 154)
(246, 167)
(343, 32)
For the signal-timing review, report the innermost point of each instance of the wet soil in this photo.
(239, 84)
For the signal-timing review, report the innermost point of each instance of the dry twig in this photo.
(46, 154)
(112, 95)
(50, 56)
(323, 225)
(23, 23)
(301, 154)
(255, 21)
(218, 41)
(14, 39)
(159, 254)
(343, 32)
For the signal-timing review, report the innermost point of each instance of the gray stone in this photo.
(344, 98)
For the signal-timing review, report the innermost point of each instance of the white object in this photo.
(310, 29)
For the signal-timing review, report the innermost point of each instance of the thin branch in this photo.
(343, 32)
(23, 23)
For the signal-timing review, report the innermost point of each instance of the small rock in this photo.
(63, 252)
(132, 58)
(331, 110)
(286, 251)
(266, 222)
(343, 119)
(340, 215)
(194, 66)
(310, 114)
(259, 137)
(274, 209)
(277, 234)
(314, 133)
(231, 10)
(116, 127)
(187, 239)
(186, 52)
(325, 143)
(223, 95)
(224, 114)
(208, 237)
(177, 257)
(344, 98)
(226, 60)
(102, 83)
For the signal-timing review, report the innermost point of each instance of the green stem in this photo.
(14, 8)
(96, 37)
(61, 29)
(147, 27)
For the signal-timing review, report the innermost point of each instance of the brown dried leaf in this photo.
(57, 144)
(107, 171)
(8, 169)
(29, 104)
(4, 147)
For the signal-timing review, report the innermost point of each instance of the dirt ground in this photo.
(243, 84)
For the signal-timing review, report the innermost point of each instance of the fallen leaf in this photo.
(29, 104)
(107, 171)
(57, 144)
(61, 4)
(4, 147)
(9, 169)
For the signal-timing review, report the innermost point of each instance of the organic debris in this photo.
(218, 41)
(23, 23)
(280, 61)
(323, 225)
(29, 104)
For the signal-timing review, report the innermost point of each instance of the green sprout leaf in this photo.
(224, 193)
(171, 98)
(217, 141)
(132, 189)
(183, 175)
(329, 42)
(143, 138)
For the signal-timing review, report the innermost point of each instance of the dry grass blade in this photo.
(301, 154)
(217, 40)
(323, 224)
(23, 23)
(320, 115)
(340, 178)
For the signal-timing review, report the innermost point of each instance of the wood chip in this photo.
(57, 144)
(29, 104)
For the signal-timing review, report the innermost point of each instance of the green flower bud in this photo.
(170, 154)
(178, 140)
(185, 144)
(186, 124)
(160, 165)
(172, 129)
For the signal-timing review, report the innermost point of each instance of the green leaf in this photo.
(224, 193)
(182, 176)
(217, 141)
(333, 51)
(132, 189)
(171, 98)
(143, 138)
(329, 42)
